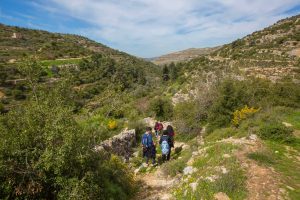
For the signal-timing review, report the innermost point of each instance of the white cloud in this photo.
(153, 27)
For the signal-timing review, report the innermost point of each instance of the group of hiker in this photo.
(166, 142)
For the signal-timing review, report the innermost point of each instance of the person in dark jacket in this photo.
(171, 133)
(165, 143)
(149, 149)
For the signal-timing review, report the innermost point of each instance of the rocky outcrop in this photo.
(121, 145)
(151, 122)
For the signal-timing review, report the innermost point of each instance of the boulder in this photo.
(121, 144)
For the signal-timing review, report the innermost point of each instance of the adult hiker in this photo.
(165, 144)
(171, 133)
(149, 149)
(158, 127)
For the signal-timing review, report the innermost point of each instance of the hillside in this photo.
(184, 55)
(268, 54)
(277, 43)
(72, 119)
(17, 43)
(55, 53)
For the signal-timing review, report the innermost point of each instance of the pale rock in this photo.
(212, 178)
(222, 169)
(290, 188)
(287, 124)
(190, 162)
(253, 137)
(226, 156)
(221, 196)
(135, 154)
(194, 186)
(144, 165)
(185, 193)
(189, 170)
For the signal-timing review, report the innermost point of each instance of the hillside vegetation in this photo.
(237, 131)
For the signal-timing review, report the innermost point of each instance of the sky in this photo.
(149, 28)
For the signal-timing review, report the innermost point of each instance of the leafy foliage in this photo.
(277, 132)
(162, 108)
(46, 154)
(245, 112)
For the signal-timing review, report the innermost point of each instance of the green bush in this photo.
(45, 154)
(277, 132)
(188, 118)
(162, 108)
(231, 95)
(2, 108)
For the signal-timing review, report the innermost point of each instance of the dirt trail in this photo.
(262, 182)
(156, 185)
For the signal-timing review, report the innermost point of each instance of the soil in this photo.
(262, 182)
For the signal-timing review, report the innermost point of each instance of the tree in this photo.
(166, 75)
(174, 71)
(45, 154)
(162, 108)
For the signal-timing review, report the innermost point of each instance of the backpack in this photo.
(165, 147)
(147, 140)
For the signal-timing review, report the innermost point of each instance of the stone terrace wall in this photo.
(121, 144)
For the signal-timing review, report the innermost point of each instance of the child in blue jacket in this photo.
(149, 149)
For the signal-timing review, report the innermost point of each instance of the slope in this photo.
(184, 55)
(56, 53)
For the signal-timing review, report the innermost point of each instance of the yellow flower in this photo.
(242, 114)
(112, 124)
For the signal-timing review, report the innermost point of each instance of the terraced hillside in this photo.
(17, 43)
(184, 55)
(92, 65)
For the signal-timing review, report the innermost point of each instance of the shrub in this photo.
(19, 95)
(277, 132)
(187, 118)
(162, 108)
(231, 95)
(2, 108)
(242, 114)
(45, 154)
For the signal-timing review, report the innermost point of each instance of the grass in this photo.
(283, 159)
(287, 164)
(208, 163)
(219, 134)
(262, 158)
(293, 117)
(176, 165)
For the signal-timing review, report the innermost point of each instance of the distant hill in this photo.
(271, 53)
(17, 43)
(184, 55)
(277, 45)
